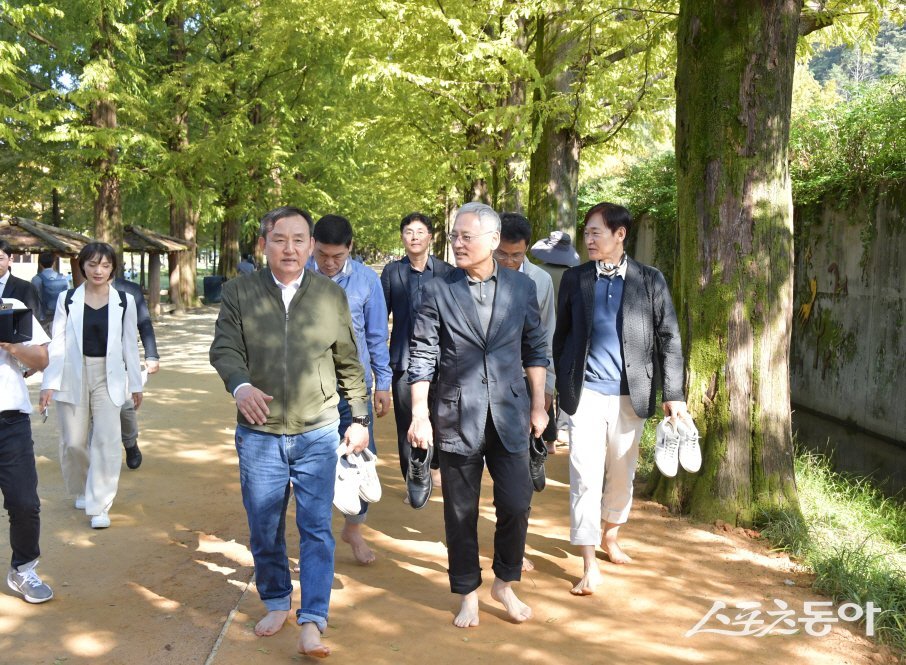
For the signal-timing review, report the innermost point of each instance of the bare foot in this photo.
(271, 623)
(310, 642)
(614, 552)
(527, 565)
(503, 593)
(468, 613)
(588, 583)
(352, 534)
(435, 477)
(551, 447)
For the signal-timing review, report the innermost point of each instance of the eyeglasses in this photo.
(518, 257)
(415, 234)
(465, 237)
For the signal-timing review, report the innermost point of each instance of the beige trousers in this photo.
(91, 467)
(602, 458)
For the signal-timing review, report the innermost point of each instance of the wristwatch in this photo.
(364, 421)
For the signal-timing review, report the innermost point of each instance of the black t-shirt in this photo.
(94, 332)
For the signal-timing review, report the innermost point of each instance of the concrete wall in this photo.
(848, 356)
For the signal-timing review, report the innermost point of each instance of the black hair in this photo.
(5, 247)
(333, 230)
(97, 250)
(273, 216)
(46, 259)
(515, 227)
(417, 217)
(615, 216)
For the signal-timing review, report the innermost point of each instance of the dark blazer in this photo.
(24, 292)
(476, 372)
(145, 327)
(395, 282)
(650, 335)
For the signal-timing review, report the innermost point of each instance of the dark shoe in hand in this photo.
(133, 457)
(537, 457)
(418, 480)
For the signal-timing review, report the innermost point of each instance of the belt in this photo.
(11, 413)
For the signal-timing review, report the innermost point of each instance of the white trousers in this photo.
(91, 467)
(602, 459)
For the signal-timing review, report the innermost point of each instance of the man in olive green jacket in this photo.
(283, 345)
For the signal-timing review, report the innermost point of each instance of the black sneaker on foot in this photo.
(418, 481)
(537, 457)
(133, 457)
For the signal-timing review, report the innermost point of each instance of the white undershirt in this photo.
(13, 391)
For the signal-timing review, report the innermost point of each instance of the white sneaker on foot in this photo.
(665, 450)
(690, 453)
(101, 521)
(80, 502)
(25, 580)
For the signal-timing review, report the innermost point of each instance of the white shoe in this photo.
(348, 483)
(101, 521)
(80, 502)
(665, 450)
(690, 453)
(370, 489)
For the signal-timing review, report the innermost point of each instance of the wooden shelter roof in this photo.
(27, 236)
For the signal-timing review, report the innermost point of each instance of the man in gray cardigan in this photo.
(283, 345)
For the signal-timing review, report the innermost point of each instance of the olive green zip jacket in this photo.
(300, 357)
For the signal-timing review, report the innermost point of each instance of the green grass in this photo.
(852, 537)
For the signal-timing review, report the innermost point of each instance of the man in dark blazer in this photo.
(128, 416)
(13, 287)
(475, 331)
(403, 282)
(616, 331)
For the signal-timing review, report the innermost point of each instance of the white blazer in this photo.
(64, 372)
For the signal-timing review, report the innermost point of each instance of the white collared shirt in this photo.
(3, 281)
(13, 391)
(288, 290)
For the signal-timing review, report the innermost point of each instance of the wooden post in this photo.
(154, 283)
(142, 280)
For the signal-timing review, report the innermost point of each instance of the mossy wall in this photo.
(848, 355)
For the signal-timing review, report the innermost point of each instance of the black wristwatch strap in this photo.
(364, 421)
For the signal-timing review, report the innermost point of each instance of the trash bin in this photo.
(213, 289)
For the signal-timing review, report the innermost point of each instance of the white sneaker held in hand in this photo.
(348, 483)
(666, 448)
(370, 489)
(690, 453)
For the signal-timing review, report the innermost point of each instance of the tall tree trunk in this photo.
(229, 236)
(554, 163)
(734, 280)
(108, 219)
(56, 217)
(183, 216)
(510, 198)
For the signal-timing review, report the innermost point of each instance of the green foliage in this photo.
(842, 148)
(852, 537)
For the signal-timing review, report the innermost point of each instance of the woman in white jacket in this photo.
(94, 367)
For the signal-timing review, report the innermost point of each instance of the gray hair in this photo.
(484, 212)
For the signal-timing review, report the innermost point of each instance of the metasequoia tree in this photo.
(734, 280)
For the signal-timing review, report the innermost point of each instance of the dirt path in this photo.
(171, 576)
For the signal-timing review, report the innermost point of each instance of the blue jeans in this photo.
(268, 465)
(345, 422)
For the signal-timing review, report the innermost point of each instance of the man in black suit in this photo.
(476, 329)
(403, 282)
(13, 287)
(128, 417)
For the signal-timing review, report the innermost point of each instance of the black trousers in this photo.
(461, 485)
(402, 413)
(19, 483)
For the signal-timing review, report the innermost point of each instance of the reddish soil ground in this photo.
(169, 582)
